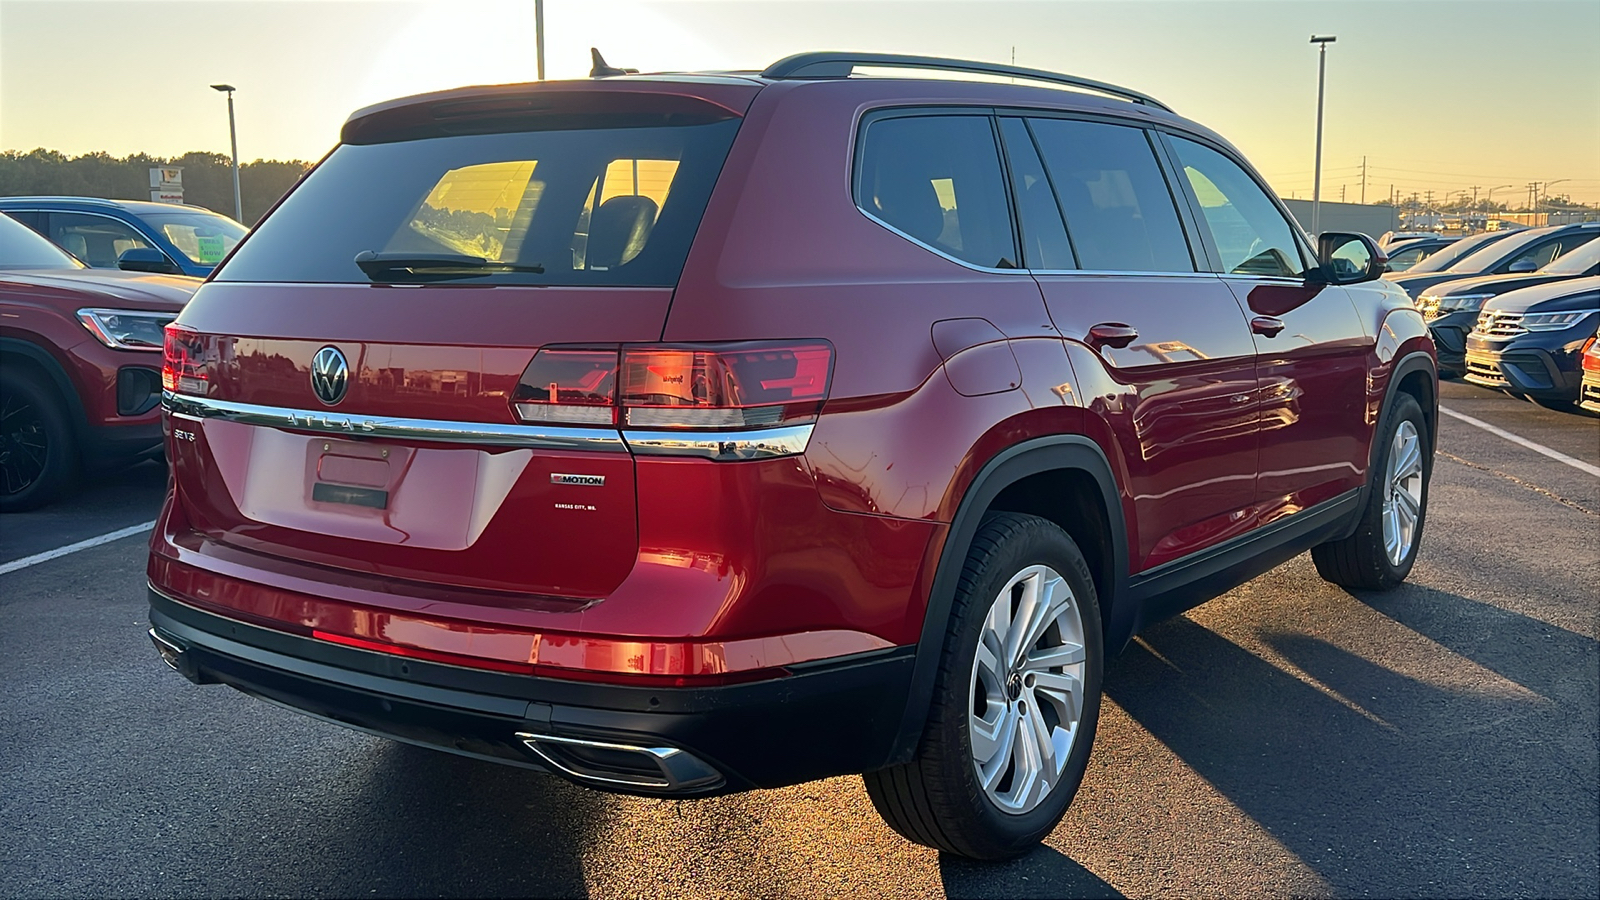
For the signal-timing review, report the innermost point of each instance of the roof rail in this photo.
(839, 65)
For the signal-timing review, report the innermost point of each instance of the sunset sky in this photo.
(1441, 95)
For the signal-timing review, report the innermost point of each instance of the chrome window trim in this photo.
(719, 446)
(1147, 273)
(937, 252)
(330, 422)
(722, 446)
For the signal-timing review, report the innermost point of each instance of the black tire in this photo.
(38, 459)
(936, 799)
(1360, 560)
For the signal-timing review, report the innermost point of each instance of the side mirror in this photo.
(1346, 257)
(147, 259)
(1522, 265)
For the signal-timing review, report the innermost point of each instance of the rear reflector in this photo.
(752, 384)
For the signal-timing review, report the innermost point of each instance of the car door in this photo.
(1311, 347)
(1161, 350)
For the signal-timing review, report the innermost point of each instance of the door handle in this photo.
(1266, 326)
(1112, 334)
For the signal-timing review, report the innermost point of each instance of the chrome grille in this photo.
(1497, 324)
(1429, 307)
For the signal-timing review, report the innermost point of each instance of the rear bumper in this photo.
(830, 717)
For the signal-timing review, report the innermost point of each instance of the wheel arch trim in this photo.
(1009, 466)
(52, 368)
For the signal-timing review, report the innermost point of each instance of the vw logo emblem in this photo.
(330, 375)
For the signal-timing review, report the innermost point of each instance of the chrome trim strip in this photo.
(936, 251)
(544, 437)
(722, 446)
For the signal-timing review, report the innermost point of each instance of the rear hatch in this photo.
(346, 391)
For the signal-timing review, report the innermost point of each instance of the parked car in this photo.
(1451, 309)
(1589, 390)
(788, 425)
(1407, 253)
(1531, 342)
(80, 378)
(1515, 252)
(1391, 238)
(136, 235)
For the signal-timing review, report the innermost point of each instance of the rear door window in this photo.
(1251, 236)
(97, 240)
(1119, 209)
(937, 180)
(601, 206)
(1044, 234)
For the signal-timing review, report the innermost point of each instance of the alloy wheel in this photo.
(1402, 501)
(1027, 689)
(24, 444)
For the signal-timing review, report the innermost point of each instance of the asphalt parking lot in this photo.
(1289, 738)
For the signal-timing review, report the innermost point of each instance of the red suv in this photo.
(80, 365)
(694, 433)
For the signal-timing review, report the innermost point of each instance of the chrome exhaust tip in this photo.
(664, 769)
(171, 651)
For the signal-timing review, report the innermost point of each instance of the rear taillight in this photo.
(182, 365)
(753, 384)
(574, 387)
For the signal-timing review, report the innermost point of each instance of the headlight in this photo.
(126, 329)
(1556, 321)
(1462, 302)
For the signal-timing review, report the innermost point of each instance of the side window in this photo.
(97, 240)
(1405, 259)
(938, 180)
(1251, 236)
(34, 220)
(1537, 256)
(1044, 235)
(1118, 208)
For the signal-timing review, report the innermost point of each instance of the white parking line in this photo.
(1556, 455)
(48, 555)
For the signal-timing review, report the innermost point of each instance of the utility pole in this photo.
(538, 36)
(1363, 179)
(1316, 178)
(1430, 200)
(1341, 193)
(1475, 194)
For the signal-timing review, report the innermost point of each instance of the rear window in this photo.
(616, 206)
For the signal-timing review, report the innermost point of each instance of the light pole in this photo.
(1547, 186)
(538, 36)
(1316, 178)
(233, 135)
(1490, 199)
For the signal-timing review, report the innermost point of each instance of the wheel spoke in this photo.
(1041, 603)
(990, 770)
(986, 735)
(1407, 505)
(1062, 691)
(1410, 461)
(1025, 754)
(1052, 657)
(1045, 748)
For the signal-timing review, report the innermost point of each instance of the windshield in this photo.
(1447, 256)
(597, 206)
(204, 237)
(22, 248)
(1575, 262)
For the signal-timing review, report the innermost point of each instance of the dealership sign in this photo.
(166, 184)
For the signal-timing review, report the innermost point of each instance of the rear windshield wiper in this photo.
(435, 264)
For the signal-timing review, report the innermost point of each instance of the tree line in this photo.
(207, 178)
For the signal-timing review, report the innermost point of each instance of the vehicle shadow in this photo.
(489, 830)
(1537, 655)
(1382, 784)
(1044, 872)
